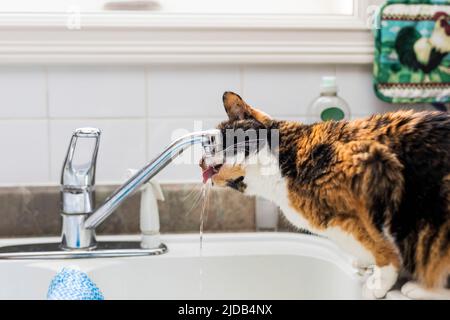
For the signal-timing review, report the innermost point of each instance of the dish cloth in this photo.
(73, 284)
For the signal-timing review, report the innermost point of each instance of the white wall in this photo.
(139, 108)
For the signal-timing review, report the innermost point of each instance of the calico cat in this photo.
(379, 187)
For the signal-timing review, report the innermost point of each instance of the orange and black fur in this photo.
(383, 180)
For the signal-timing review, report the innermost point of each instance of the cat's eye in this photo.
(239, 180)
(236, 183)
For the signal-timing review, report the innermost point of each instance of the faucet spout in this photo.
(211, 140)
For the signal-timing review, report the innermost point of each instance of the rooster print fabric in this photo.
(412, 52)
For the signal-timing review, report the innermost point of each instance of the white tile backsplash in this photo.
(23, 92)
(141, 109)
(122, 146)
(283, 91)
(355, 87)
(190, 91)
(94, 92)
(25, 151)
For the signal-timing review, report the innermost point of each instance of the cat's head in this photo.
(249, 145)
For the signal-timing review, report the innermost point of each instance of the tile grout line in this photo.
(47, 105)
(166, 118)
(146, 140)
(74, 118)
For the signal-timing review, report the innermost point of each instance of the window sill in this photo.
(148, 39)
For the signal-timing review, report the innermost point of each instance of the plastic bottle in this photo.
(329, 106)
(149, 213)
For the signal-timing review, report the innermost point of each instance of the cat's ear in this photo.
(238, 109)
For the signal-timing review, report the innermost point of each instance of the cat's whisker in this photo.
(191, 193)
(208, 197)
(196, 201)
(205, 193)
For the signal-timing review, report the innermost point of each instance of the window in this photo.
(185, 31)
(316, 7)
(328, 7)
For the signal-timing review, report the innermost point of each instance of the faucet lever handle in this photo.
(79, 165)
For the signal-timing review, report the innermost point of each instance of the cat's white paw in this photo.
(414, 290)
(380, 282)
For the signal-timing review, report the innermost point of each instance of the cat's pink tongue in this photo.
(208, 173)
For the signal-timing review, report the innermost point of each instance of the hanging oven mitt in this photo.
(412, 52)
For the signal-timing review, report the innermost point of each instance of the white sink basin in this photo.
(232, 266)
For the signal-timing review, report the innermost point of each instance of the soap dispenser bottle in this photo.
(149, 214)
(151, 193)
(329, 106)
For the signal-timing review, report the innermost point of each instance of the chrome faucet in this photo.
(79, 218)
(78, 193)
(78, 190)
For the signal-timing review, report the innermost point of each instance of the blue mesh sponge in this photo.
(73, 284)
